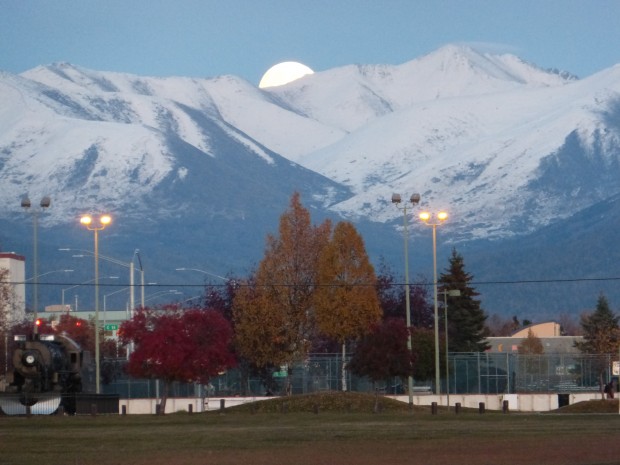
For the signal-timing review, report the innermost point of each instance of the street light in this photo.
(37, 280)
(104, 302)
(427, 218)
(45, 203)
(202, 271)
(160, 293)
(87, 221)
(448, 293)
(129, 265)
(62, 291)
(414, 199)
(46, 273)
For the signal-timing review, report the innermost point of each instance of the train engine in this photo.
(46, 366)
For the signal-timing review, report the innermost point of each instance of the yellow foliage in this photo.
(345, 301)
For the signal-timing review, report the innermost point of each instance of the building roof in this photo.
(546, 329)
(551, 345)
(12, 255)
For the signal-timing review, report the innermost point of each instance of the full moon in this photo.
(283, 73)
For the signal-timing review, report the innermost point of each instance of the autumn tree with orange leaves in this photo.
(273, 311)
(345, 301)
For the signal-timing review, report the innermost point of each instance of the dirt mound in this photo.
(591, 406)
(332, 401)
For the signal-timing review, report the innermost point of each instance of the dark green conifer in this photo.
(466, 319)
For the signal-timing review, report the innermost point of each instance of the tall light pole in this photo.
(45, 203)
(448, 293)
(427, 218)
(104, 220)
(414, 199)
(136, 253)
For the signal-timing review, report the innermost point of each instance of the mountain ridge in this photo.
(507, 148)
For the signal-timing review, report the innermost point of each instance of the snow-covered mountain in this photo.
(507, 148)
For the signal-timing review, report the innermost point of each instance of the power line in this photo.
(395, 284)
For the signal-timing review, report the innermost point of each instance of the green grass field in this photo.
(302, 430)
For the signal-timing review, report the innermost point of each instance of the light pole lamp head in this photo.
(46, 202)
(415, 199)
(440, 217)
(396, 198)
(87, 220)
(26, 202)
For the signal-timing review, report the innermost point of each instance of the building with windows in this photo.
(549, 334)
(12, 272)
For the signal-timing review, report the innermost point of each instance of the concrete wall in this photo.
(180, 404)
(516, 402)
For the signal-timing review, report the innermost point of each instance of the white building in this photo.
(15, 278)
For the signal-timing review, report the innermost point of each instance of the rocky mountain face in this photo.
(197, 171)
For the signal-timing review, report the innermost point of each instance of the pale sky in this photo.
(207, 38)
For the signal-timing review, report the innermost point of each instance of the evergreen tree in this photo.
(600, 336)
(600, 330)
(466, 319)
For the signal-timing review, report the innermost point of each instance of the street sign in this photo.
(615, 370)
(110, 327)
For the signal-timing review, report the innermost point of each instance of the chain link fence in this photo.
(485, 373)
(468, 373)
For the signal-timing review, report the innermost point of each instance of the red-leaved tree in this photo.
(173, 344)
(383, 354)
(80, 330)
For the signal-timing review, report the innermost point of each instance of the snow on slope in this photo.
(107, 140)
(470, 131)
(471, 140)
(351, 96)
(241, 105)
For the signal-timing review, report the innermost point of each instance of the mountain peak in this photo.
(501, 144)
(464, 62)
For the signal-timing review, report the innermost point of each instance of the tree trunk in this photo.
(375, 409)
(164, 397)
(344, 367)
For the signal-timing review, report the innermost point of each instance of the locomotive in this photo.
(47, 370)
